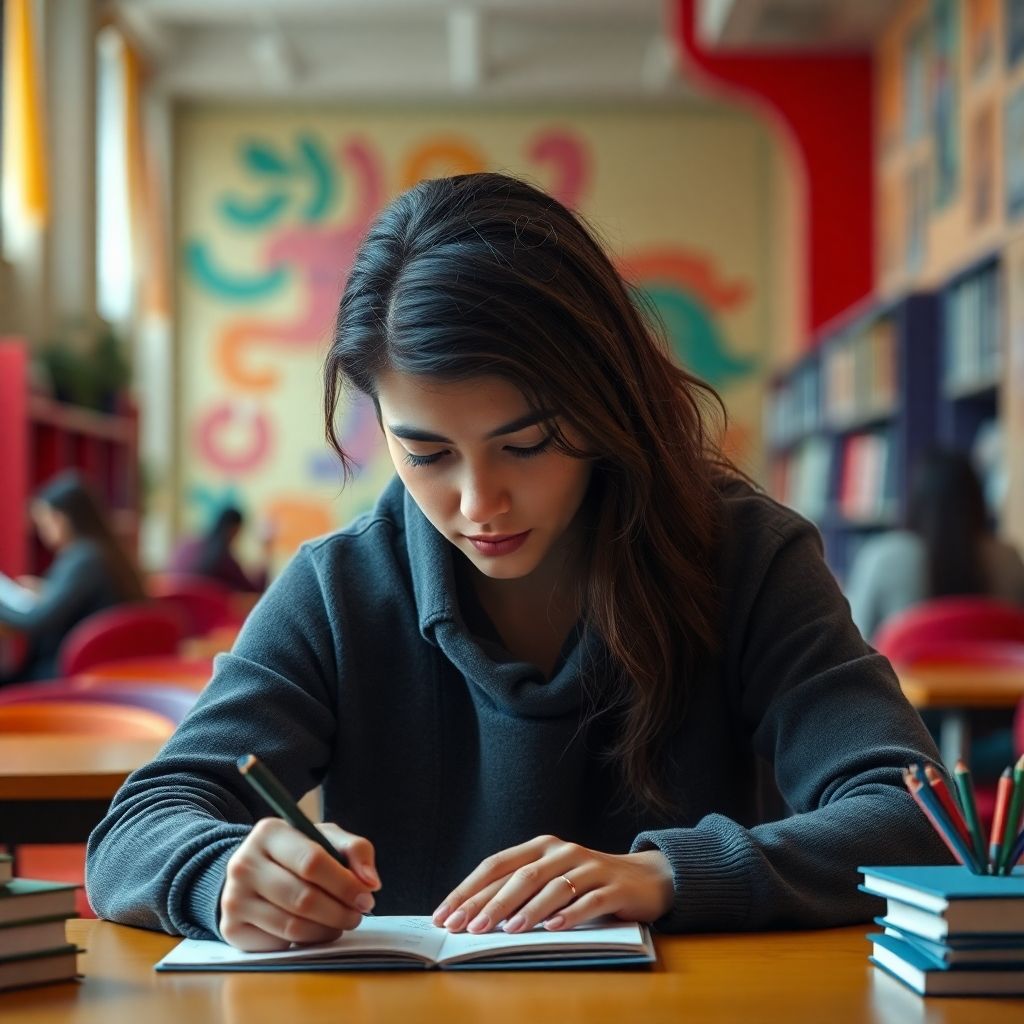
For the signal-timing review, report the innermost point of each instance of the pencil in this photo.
(938, 784)
(929, 806)
(1013, 814)
(995, 840)
(1016, 853)
(962, 777)
(263, 780)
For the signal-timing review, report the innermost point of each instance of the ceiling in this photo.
(423, 50)
(406, 49)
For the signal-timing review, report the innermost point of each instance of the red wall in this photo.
(825, 105)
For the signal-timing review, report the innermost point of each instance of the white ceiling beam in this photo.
(146, 31)
(466, 48)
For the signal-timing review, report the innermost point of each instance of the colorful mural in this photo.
(270, 222)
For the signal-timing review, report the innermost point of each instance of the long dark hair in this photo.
(946, 509)
(216, 542)
(69, 494)
(483, 274)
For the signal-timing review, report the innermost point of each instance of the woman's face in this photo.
(482, 468)
(53, 527)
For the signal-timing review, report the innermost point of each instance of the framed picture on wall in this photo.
(1013, 153)
(917, 208)
(981, 161)
(944, 114)
(1014, 11)
(981, 16)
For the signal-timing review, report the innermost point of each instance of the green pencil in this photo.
(263, 780)
(1012, 815)
(964, 788)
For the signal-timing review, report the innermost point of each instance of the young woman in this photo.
(552, 674)
(90, 572)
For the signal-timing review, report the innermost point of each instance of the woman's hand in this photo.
(282, 887)
(560, 884)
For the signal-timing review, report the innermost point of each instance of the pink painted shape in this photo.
(570, 160)
(207, 440)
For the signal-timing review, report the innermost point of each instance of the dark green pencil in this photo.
(262, 779)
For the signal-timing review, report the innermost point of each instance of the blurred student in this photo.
(89, 573)
(947, 548)
(212, 554)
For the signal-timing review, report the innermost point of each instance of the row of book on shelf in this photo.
(972, 356)
(959, 929)
(866, 485)
(33, 947)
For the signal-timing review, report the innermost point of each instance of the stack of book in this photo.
(948, 930)
(33, 947)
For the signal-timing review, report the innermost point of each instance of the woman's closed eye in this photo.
(513, 450)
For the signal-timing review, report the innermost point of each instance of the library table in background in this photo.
(55, 788)
(955, 690)
(773, 978)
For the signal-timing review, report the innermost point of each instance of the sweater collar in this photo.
(514, 686)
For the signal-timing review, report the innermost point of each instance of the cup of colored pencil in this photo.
(955, 818)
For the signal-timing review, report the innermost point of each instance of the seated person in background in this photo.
(946, 550)
(211, 554)
(90, 572)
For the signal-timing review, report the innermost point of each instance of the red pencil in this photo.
(940, 789)
(913, 785)
(995, 839)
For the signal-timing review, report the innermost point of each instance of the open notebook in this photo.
(415, 942)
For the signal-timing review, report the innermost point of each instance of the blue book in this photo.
(939, 902)
(919, 972)
(962, 951)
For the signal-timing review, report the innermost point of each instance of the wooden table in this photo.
(953, 690)
(747, 979)
(53, 789)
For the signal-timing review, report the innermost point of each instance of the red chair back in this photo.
(926, 631)
(127, 631)
(204, 604)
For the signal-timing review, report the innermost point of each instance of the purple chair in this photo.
(172, 702)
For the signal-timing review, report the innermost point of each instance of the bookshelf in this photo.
(41, 437)
(847, 422)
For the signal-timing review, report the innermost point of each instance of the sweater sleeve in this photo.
(826, 712)
(158, 859)
(67, 590)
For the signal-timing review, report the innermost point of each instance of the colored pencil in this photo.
(995, 840)
(962, 777)
(1016, 853)
(1012, 826)
(938, 784)
(929, 806)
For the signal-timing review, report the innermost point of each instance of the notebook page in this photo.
(615, 936)
(415, 936)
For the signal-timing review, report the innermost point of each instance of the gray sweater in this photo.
(356, 671)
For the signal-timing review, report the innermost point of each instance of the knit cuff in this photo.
(194, 899)
(710, 875)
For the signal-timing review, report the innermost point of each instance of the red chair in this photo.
(922, 632)
(126, 631)
(204, 604)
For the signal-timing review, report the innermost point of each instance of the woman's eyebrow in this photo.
(415, 434)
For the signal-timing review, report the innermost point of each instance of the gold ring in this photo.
(568, 882)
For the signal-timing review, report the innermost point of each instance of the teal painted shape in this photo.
(254, 214)
(199, 265)
(209, 501)
(696, 339)
(322, 175)
(263, 159)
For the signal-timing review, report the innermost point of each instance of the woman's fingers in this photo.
(282, 887)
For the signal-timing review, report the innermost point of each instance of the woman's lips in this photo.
(503, 545)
